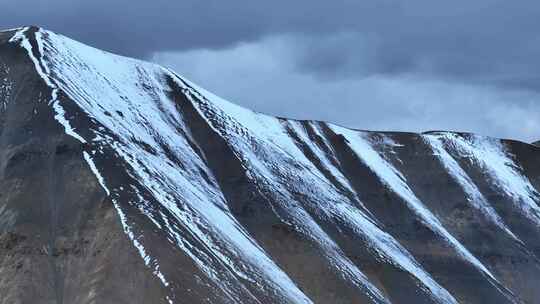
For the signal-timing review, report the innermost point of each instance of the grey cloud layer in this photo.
(485, 41)
(260, 76)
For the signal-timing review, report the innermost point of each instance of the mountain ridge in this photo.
(259, 209)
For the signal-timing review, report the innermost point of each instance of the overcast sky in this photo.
(370, 64)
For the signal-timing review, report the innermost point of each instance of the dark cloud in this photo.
(485, 41)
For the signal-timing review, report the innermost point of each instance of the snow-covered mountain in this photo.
(123, 182)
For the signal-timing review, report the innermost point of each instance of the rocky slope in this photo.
(123, 182)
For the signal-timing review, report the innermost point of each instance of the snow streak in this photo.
(144, 120)
(44, 72)
(265, 167)
(505, 175)
(475, 197)
(395, 181)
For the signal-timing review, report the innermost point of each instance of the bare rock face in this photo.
(122, 182)
(536, 143)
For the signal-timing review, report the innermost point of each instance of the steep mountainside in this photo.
(123, 182)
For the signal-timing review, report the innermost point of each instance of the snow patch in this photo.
(505, 175)
(395, 181)
(475, 197)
